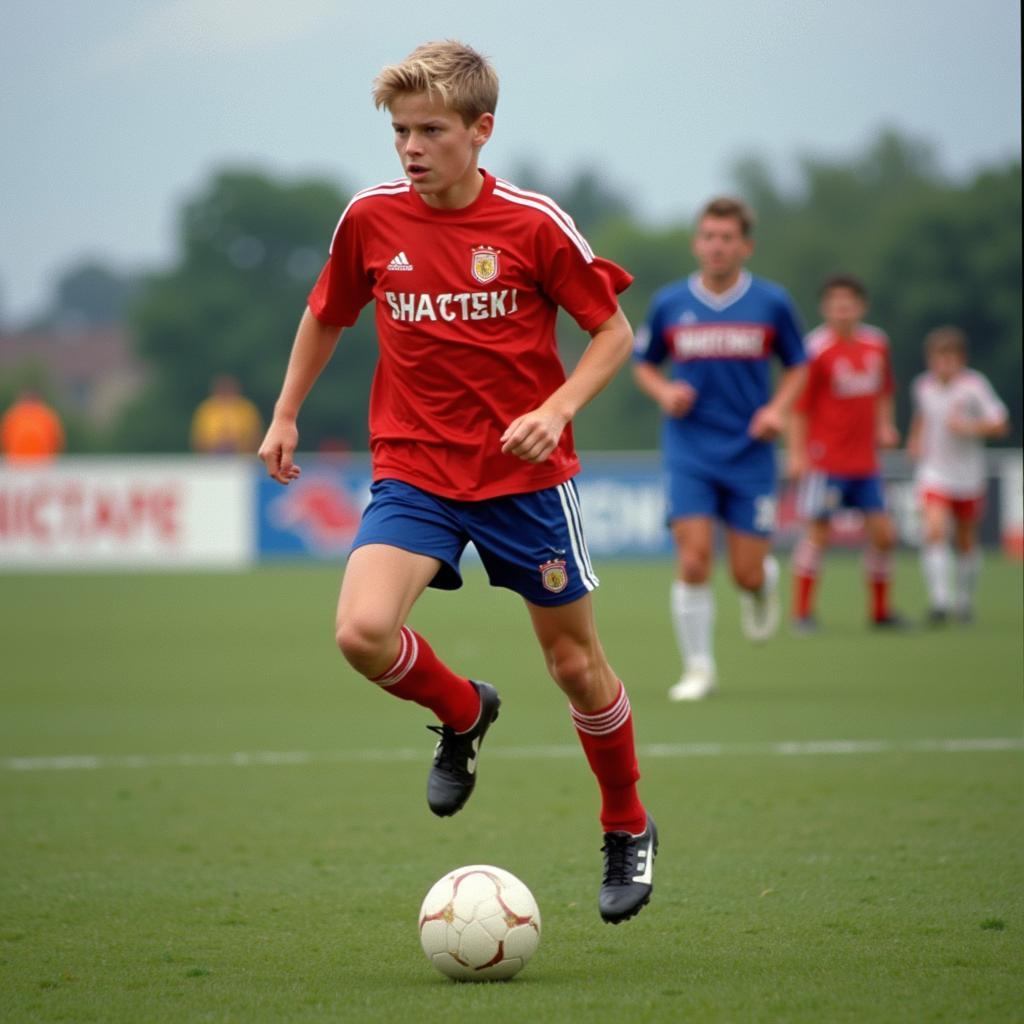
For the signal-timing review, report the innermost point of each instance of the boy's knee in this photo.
(695, 564)
(748, 577)
(362, 642)
(571, 666)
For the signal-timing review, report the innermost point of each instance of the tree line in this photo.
(931, 250)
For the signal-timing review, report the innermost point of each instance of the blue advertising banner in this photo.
(622, 495)
(315, 516)
(318, 515)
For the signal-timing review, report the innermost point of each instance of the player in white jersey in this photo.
(955, 411)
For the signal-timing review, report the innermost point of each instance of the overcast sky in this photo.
(114, 111)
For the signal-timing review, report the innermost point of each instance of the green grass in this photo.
(876, 885)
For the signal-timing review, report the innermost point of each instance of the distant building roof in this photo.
(94, 370)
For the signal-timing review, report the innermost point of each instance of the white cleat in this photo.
(759, 613)
(696, 684)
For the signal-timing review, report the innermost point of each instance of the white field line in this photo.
(264, 758)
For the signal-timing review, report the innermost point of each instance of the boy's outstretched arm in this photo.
(311, 351)
(534, 435)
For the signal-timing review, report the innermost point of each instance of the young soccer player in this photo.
(719, 329)
(844, 414)
(470, 432)
(955, 410)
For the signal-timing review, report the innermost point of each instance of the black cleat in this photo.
(893, 622)
(937, 617)
(453, 775)
(805, 625)
(628, 873)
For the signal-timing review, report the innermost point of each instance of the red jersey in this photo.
(846, 377)
(466, 302)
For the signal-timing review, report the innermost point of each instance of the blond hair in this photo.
(466, 81)
(726, 207)
(946, 339)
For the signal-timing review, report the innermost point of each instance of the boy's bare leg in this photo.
(381, 585)
(756, 573)
(603, 719)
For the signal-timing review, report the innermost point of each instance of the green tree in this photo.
(251, 247)
(931, 250)
(91, 294)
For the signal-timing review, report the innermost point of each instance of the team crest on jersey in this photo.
(554, 575)
(485, 263)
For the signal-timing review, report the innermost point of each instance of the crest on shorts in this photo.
(485, 263)
(554, 575)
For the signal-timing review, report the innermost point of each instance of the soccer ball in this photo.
(479, 923)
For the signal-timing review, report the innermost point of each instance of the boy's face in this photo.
(721, 247)
(842, 309)
(438, 150)
(945, 363)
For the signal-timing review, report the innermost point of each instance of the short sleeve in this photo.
(344, 286)
(992, 407)
(789, 342)
(649, 344)
(917, 392)
(584, 285)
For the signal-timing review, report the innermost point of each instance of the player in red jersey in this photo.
(470, 432)
(843, 416)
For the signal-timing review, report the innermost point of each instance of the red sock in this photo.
(880, 599)
(607, 738)
(806, 563)
(418, 674)
(804, 595)
(877, 565)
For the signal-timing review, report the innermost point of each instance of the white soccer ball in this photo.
(479, 923)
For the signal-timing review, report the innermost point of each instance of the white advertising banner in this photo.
(121, 513)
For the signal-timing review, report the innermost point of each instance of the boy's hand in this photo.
(677, 398)
(888, 436)
(277, 450)
(533, 436)
(767, 423)
(962, 426)
(797, 464)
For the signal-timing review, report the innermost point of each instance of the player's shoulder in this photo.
(540, 210)
(818, 342)
(968, 377)
(371, 201)
(375, 197)
(769, 289)
(675, 291)
(924, 381)
(869, 334)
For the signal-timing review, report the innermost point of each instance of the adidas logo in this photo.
(400, 262)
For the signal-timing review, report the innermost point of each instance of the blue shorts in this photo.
(531, 543)
(743, 503)
(821, 494)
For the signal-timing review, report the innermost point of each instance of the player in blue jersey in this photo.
(719, 330)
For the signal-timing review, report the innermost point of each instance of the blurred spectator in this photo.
(31, 430)
(226, 422)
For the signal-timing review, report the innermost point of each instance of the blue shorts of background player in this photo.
(743, 503)
(531, 543)
(822, 494)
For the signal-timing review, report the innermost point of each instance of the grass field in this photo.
(241, 834)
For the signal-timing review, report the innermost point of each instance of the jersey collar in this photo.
(726, 298)
(464, 211)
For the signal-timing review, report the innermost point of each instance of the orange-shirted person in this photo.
(226, 422)
(30, 430)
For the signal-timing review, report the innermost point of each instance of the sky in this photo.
(113, 113)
